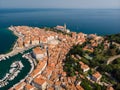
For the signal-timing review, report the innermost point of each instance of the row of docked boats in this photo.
(4, 58)
(15, 69)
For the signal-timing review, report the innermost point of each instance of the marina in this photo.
(15, 69)
(33, 62)
(4, 58)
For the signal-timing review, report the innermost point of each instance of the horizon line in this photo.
(59, 8)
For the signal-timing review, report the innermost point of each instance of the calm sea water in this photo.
(7, 40)
(80, 20)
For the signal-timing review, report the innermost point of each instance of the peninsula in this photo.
(64, 60)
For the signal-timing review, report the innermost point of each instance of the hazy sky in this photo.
(59, 3)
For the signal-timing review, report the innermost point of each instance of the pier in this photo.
(13, 72)
(33, 63)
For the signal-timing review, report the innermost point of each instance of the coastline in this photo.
(14, 51)
(11, 51)
(13, 45)
(8, 43)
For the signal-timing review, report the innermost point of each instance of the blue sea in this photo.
(99, 21)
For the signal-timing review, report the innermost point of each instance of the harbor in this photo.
(15, 69)
(33, 63)
(14, 50)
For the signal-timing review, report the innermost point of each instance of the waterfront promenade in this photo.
(15, 51)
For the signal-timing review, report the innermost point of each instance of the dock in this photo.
(13, 72)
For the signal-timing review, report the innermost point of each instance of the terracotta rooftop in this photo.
(110, 88)
(97, 75)
(20, 86)
(78, 87)
(83, 66)
(50, 88)
(38, 50)
(39, 80)
(35, 72)
(29, 87)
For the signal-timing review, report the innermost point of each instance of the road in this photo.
(15, 51)
(111, 59)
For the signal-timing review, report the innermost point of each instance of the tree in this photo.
(97, 87)
(117, 87)
(117, 61)
(116, 74)
(86, 85)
